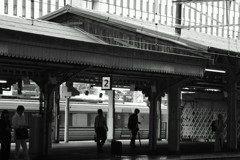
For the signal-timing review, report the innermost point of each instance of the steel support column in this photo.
(56, 115)
(153, 119)
(178, 20)
(47, 87)
(232, 114)
(111, 115)
(159, 118)
(47, 119)
(174, 120)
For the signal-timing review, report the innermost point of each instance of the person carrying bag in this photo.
(133, 126)
(20, 127)
(101, 129)
(22, 133)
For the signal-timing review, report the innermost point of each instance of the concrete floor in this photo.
(82, 150)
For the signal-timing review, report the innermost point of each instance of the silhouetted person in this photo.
(19, 124)
(100, 129)
(5, 135)
(219, 127)
(133, 126)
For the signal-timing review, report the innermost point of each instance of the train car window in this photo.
(164, 118)
(91, 119)
(125, 117)
(79, 120)
(70, 119)
(144, 119)
(118, 120)
(61, 120)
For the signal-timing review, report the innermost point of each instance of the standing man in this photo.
(20, 126)
(219, 127)
(5, 135)
(133, 126)
(101, 129)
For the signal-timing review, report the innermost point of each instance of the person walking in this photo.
(133, 126)
(5, 135)
(219, 128)
(100, 129)
(20, 127)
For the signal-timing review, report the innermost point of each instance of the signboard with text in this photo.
(106, 83)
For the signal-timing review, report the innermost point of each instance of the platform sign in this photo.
(106, 83)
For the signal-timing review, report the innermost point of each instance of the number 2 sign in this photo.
(106, 83)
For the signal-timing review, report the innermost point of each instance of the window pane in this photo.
(49, 6)
(15, 7)
(32, 9)
(79, 120)
(57, 5)
(91, 119)
(24, 8)
(40, 7)
(6, 6)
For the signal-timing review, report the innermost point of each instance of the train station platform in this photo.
(86, 150)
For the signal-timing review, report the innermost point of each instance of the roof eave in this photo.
(56, 13)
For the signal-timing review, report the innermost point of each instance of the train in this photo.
(82, 115)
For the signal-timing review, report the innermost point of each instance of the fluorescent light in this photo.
(214, 70)
(187, 92)
(3, 81)
(212, 89)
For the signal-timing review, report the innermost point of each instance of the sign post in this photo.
(107, 85)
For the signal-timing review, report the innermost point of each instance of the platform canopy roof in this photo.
(194, 39)
(40, 40)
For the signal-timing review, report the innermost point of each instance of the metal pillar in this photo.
(159, 118)
(56, 115)
(156, 11)
(66, 125)
(47, 88)
(153, 120)
(174, 120)
(110, 115)
(178, 20)
(232, 115)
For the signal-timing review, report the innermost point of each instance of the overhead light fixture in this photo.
(188, 92)
(3, 81)
(215, 70)
(212, 90)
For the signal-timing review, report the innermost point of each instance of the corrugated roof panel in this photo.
(75, 56)
(212, 41)
(45, 28)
